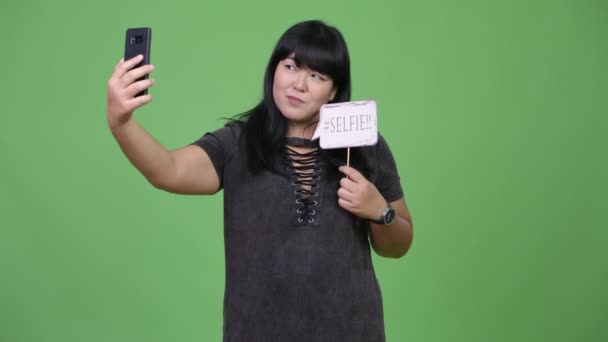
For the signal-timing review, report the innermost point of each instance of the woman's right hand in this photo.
(122, 88)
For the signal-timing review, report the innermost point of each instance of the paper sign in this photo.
(347, 124)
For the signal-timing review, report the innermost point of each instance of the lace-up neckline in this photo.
(305, 171)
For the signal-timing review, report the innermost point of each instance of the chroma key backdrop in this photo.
(495, 112)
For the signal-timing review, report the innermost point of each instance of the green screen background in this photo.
(494, 110)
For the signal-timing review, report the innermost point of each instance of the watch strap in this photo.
(386, 210)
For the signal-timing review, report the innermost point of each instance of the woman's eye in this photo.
(318, 76)
(290, 66)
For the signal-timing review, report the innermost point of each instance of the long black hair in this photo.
(315, 45)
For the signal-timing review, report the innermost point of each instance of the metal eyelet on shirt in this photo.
(300, 219)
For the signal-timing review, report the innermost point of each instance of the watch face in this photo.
(389, 216)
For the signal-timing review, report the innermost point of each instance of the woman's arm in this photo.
(395, 239)
(361, 197)
(187, 170)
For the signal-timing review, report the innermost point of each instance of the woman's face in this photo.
(300, 92)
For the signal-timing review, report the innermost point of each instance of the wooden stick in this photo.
(348, 157)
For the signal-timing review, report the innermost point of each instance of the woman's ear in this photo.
(333, 94)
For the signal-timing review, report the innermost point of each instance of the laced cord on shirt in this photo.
(305, 171)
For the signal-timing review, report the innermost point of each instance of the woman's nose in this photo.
(300, 81)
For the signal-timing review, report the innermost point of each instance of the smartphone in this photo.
(138, 41)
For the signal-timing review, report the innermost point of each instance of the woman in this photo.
(297, 221)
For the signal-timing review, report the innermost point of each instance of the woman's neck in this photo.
(304, 131)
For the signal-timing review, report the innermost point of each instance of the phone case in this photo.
(138, 41)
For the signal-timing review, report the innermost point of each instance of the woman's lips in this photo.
(294, 100)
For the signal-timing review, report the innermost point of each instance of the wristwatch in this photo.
(388, 215)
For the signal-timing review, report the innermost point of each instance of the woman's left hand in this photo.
(360, 196)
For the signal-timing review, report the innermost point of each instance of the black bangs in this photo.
(317, 55)
(318, 47)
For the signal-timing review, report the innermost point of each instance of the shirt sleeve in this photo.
(389, 183)
(220, 146)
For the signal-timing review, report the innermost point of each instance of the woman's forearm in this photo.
(148, 155)
(393, 240)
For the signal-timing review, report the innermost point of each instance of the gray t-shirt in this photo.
(298, 266)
